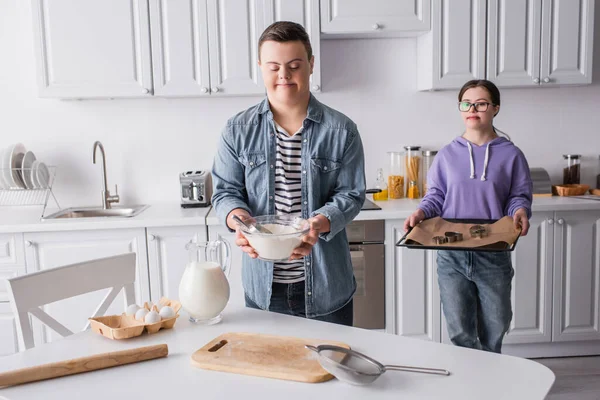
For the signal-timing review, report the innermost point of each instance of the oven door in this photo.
(368, 262)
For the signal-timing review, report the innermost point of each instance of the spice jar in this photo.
(571, 170)
(598, 177)
(380, 184)
(412, 165)
(395, 175)
(428, 156)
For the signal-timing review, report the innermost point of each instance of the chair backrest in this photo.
(29, 292)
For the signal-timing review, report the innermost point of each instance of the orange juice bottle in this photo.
(380, 184)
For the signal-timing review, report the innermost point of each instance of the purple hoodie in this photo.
(467, 181)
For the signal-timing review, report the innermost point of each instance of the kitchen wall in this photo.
(148, 142)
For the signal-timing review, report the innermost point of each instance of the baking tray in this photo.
(494, 247)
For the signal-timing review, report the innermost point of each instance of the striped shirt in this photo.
(288, 195)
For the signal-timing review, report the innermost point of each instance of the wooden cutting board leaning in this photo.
(268, 356)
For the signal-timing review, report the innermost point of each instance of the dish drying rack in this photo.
(15, 195)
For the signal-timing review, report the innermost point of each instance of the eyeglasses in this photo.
(465, 106)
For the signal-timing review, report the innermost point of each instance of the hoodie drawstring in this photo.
(485, 162)
(472, 164)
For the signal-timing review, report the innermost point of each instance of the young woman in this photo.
(480, 175)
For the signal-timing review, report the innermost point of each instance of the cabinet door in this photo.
(12, 260)
(514, 29)
(453, 52)
(234, 27)
(9, 343)
(576, 308)
(53, 249)
(91, 48)
(305, 13)
(235, 274)
(567, 36)
(360, 17)
(167, 258)
(417, 298)
(179, 32)
(532, 283)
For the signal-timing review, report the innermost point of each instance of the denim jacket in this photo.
(333, 184)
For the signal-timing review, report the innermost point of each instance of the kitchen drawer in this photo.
(11, 250)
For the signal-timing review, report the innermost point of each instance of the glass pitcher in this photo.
(204, 288)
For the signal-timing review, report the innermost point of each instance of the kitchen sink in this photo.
(95, 212)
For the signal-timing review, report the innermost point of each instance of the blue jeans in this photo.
(288, 298)
(475, 292)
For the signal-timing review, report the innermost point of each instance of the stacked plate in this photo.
(19, 169)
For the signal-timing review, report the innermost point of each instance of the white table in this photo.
(475, 374)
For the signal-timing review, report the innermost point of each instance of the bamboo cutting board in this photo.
(269, 356)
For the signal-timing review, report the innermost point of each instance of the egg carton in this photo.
(125, 326)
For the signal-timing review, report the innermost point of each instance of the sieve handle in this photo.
(417, 369)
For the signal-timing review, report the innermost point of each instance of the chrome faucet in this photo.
(107, 198)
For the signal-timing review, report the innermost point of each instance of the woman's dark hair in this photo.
(286, 31)
(492, 90)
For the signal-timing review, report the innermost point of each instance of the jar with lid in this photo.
(428, 156)
(395, 175)
(380, 184)
(412, 165)
(571, 170)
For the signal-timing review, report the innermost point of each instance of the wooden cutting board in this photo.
(269, 356)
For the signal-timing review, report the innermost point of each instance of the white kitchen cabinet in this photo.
(358, 18)
(540, 42)
(12, 260)
(453, 52)
(9, 343)
(417, 299)
(576, 291)
(92, 49)
(305, 13)
(168, 257)
(47, 250)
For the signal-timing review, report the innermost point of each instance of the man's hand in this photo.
(521, 220)
(318, 224)
(240, 239)
(414, 219)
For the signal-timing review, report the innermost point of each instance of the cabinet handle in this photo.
(145, 91)
(550, 221)
(316, 88)
(376, 27)
(151, 237)
(546, 80)
(560, 221)
(28, 243)
(536, 80)
(204, 90)
(215, 89)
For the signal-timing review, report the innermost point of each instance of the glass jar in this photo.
(428, 156)
(380, 184)
(395, 175)
(571, 170)
(412, 165)
(598, 176)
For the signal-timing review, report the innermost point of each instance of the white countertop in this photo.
(27, 219)
(474, 374)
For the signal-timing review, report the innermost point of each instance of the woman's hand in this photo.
(414, 219)
(318, 224)
(521, 221)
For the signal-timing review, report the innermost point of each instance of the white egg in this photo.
(167, 312)
(132, 309)
(152, 317)
(140, 314)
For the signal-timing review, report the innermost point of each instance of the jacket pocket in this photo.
(255, 175)
(325, 166)
(324, 174)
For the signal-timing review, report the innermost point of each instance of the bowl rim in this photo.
(283, 217)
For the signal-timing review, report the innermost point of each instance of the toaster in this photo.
(196, 188)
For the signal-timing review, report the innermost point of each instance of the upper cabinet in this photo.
(359, 18)
(92, 48)
(529, 43)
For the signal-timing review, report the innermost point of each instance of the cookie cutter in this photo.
(440, 239)
(478, 231)
(454, 236)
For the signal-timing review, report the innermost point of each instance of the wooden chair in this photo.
(29, 292)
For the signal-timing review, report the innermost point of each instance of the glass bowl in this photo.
(287, 232)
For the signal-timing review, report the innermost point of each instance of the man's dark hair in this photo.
(286, 31)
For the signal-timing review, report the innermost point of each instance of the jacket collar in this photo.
(315, 109)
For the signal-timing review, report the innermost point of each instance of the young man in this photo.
(290, 154)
